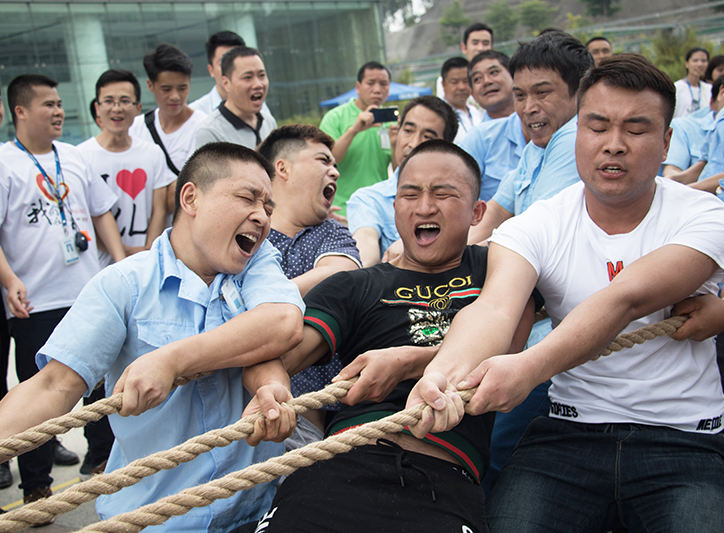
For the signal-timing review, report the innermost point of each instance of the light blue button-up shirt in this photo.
(374, 207)
(541, 173)
(497, 146)
(136, 306)
(689, 138)
(715, 148)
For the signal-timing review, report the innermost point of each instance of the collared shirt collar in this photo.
(240, 124)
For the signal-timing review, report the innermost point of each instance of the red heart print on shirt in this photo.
(131, 182)
(43, 186)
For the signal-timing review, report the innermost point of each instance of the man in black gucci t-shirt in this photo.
(386, 322)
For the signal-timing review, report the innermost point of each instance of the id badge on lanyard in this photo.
(67, 241)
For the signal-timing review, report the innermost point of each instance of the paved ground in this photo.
(64, 476)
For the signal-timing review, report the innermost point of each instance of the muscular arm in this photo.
(245, 340)
(50, 393)
(325, 267)
(585, 331)
(107, 230)
(494, 216)
(368, 245)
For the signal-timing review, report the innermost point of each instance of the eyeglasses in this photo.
(123, 103)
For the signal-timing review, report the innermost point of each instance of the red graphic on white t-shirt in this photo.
(43, 186)
(131, 183)
(614, 271)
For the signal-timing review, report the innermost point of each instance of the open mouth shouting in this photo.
(329, 191)
(246, 242)
(257, 97)
(427, 232)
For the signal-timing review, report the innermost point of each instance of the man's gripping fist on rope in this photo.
(269, 382)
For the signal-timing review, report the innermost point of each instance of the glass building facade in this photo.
(312, 50)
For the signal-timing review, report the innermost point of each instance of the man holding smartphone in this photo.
(362, 147)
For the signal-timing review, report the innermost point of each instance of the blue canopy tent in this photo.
(398, 91)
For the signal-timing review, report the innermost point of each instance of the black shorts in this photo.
(378, 488)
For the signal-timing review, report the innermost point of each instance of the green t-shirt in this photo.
(365, 163)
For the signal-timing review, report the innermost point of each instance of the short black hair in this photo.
(477, 26)
(441, 146)
(222, 38)
(439, 106)
(210, 163)
(453, 62)
(633, 72)
(21, 90)
(292, 138)
(167, 58)
(716, 85)
(503, 59)
(597, 38)
(116, 75)
(94, 111)
(371, 65)
(557, 51)
(714, 62)
(694, 50)
(227, 60)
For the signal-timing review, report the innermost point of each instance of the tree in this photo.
(536, 14)
(668, 51)
(453, 20)
(409, 12)
(596, 8)
(503, 20)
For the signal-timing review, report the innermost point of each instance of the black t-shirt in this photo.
(383, 307)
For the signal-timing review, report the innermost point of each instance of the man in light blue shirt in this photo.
(546, 73)
(497, 146)
(370, 210)
(207, 270)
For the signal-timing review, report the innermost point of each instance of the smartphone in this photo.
(385, 114)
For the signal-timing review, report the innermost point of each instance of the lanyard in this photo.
(694, 103)
(55, 189)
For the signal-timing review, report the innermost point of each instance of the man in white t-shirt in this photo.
(172, 125)
(49, 205)
(134, 169)
(633, 439)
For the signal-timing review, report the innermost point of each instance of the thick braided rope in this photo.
(225, 487)
(641, 335)
(42, 511)
(35, 436)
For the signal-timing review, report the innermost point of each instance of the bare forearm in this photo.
(341, 145)
(261, 374)
(158, 216)
(325, 267)
(258, 335)
(50, 393)
(107, 230)
(709, 184)
(368, 246)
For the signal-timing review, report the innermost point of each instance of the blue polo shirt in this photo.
(689, 138)
(497, 146)
(715, 148)
(143, 303)
(373, 207)
(541, 173)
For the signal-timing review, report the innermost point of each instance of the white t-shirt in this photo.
(31, 231)
(133, 175)
(180, 144)
(686, 95)
(661, 382)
